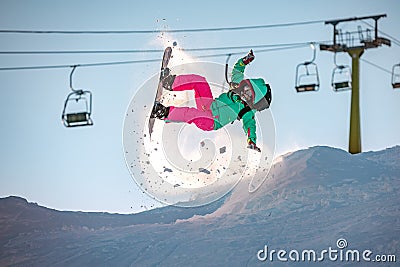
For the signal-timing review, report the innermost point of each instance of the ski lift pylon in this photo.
(77, 107)
(341, 77)
(396, 76)
(307, 77)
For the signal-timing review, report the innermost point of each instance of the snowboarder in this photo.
(245, 97)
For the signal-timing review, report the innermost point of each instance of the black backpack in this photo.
(265, 101)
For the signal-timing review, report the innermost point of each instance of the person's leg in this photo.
(203, 119)
(202, 90)
(201, 116)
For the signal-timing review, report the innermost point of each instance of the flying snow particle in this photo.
(204, 171)
(167, 169)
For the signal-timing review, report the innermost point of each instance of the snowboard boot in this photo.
(159, 111)
(167, 79)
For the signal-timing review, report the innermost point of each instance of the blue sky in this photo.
(84, 168)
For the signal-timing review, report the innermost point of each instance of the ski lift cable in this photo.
(139, 61)
(164, 30)
(81, 65)
(152, 50)
(256, 51)
(79, 52)
(377, 66)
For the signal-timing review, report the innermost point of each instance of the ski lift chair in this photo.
(341, 77)
(396, 76)
(307, 77)
(341, 80)
(77, 107)
(80, 115)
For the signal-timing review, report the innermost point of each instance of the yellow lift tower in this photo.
(355, 43)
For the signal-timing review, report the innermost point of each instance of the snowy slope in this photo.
(311, 199)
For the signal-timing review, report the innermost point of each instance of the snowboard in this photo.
(164, 64)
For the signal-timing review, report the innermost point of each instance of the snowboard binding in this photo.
(167, 79)
(159, 111)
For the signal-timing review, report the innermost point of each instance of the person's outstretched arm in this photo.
(240, 66)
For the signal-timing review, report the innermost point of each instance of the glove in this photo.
(248, 58)
(253, 146)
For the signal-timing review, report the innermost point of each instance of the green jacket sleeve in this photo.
(238, 71)
(249, 126)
